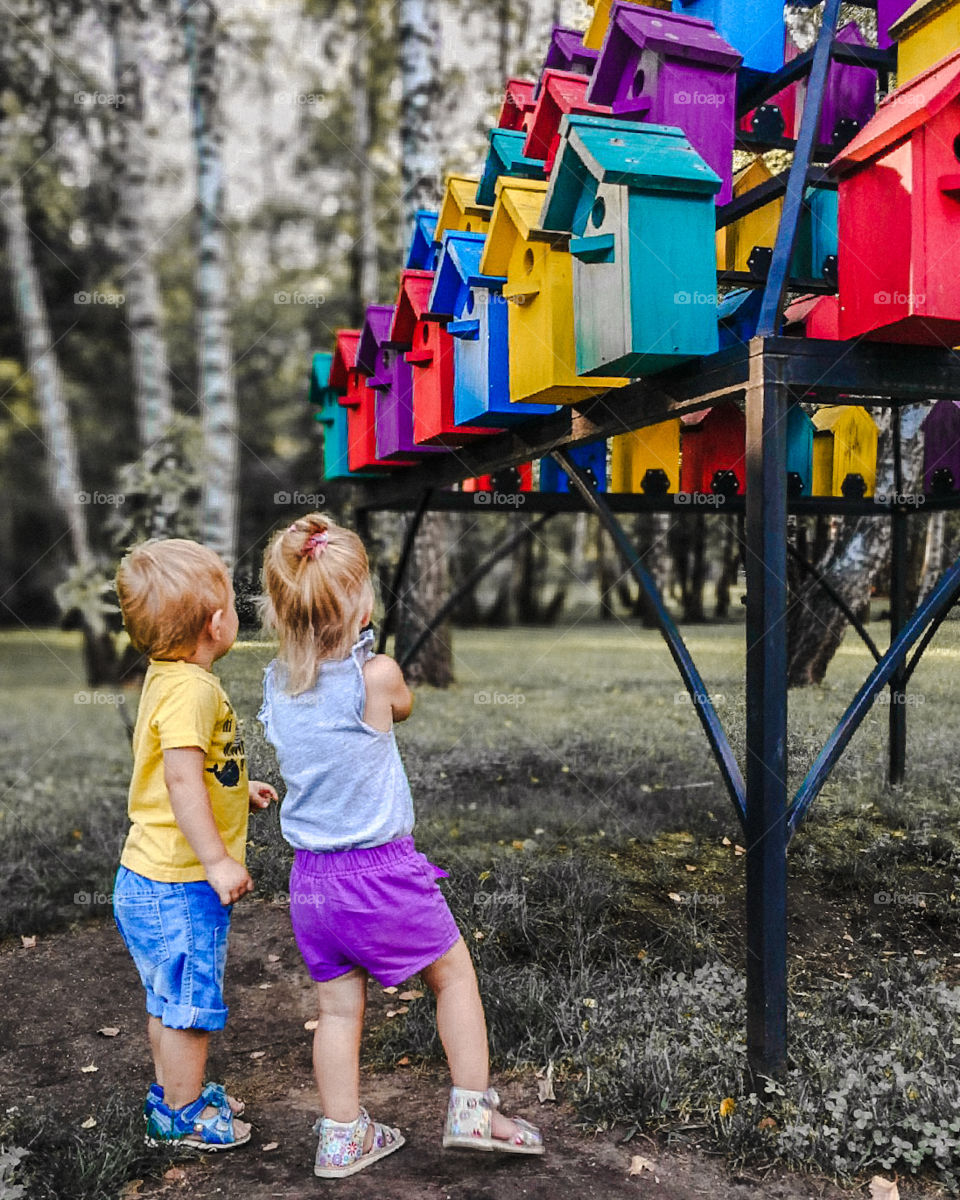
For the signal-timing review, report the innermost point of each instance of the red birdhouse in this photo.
(430, 354)
(899, 209)
(359, 403)
(508, 481)
(518, 104)
(712, 451)
(560, 92)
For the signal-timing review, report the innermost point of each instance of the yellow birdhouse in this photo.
(844, 446)
(736, 242)
(927, 32)
(459, 209)
(646, 460)
(597, 29)
(539, 274)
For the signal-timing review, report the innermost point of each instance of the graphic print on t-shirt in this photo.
(228, 773)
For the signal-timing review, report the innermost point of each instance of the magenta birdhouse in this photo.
(848, 98)
(567, 52)
(670, 69)
(899, 212)
(941, 448)
(889, 11)
(561, 93)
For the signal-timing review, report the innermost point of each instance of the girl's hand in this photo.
(261, 794)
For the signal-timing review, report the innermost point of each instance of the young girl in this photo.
(363, 901)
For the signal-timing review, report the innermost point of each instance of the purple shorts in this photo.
(380, 909)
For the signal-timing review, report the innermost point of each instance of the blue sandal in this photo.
(155, 1097)
(188, 1127)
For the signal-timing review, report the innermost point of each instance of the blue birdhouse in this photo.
(423, 250)
(756, 29)
(481, 388)
(738, 313)
(639, 201)
(592, 458)
(506, 157)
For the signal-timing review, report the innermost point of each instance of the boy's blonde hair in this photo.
(317, 583)
(168, 590)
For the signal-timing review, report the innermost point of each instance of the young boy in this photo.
(182, 865)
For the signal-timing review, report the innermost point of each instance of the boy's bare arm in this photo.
(388, 697)
(190, 801)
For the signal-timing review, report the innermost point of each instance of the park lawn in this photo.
(595, 870)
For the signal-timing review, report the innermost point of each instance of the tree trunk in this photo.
(218, 506)
(689, 552)
(366, 280)
(932, 554)
(152, 396)
(421, 595)
(729, 567)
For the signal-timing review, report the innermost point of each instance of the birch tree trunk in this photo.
(152, 393)
(932, 554)
(215, 382)
(365, 248)
(427, 571)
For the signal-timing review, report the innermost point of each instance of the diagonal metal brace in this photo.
(393, 593)
(703, 705)
(821, 580)
(941, 599)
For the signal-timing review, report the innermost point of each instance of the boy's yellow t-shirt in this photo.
(183, 705)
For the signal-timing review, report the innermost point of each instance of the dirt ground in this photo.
(56, 995)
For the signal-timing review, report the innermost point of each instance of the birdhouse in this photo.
(359, 402)
(639, 201)
(600, 21)
(756, 29)
(735, 242)
(507, 481)
(927, 32)
(481, 377)
(518, 103)
(672, 69)
(941, 448)
(567, 52)
(419, 334)
(422, 253)
(560, 92)
(712, 451)
(777, 116)
(899, 209)
(816, 316)
(539, 286)
(815, 249)
(506, 157)
(332, 418)
(849, 97)
(646, 460)
(844, 452)
(389, 381)
(591, 458)
(459, 208)
(738, 314)
(888, 13)
(800, 431)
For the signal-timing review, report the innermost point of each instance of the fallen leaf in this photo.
(264, 986)
(310, 1025)
(883, 1189)
(517, 845)
(727, 1106)
(89, 1069)
(726, 842)
(175, 1175)
(738, 850)
(638, 1164)
(545, 1090)
(28, 943)
(273, 958)
(109, 1031)
(767, 1123)
(258, 1054)
(89, 1123)
(403, 1062)
(404, 1008)
(689, 867)
(410, 996)
(478, 935)
(589, 1002)
(390, 990)
(391, 1012)
(641, 955)
(270, 1146)
(847, 937)
(675, 897)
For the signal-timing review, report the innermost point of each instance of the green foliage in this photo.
(161, 489)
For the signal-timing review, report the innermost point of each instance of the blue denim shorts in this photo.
(177, 937)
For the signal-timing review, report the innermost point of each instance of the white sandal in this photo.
(340, 1150)
(469, 1122)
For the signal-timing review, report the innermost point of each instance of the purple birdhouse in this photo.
(848, 99)
(941, 448)
(669, 69)
(889, 11)
(390, 377)
(567, 52)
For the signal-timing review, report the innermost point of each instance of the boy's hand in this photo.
(229, 879)
(261, 794)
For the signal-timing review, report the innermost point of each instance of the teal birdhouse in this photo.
(638, 200)
(506, 157)
(331, 416)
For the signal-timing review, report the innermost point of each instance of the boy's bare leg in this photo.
(336, 1046)
(462, 1026)
(154, 1033)
(181, 1065)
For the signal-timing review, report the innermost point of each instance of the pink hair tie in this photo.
(314, 545)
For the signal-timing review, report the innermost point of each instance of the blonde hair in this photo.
(317, 583)
(168, 590)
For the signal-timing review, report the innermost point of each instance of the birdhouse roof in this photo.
(506, 157)
(566, 47)
(320, 389)
(749, 176)
(344, 357)
(943, 411)
(413, 300)
(422, 252)
(560, 92)
(596, 150)
(902, 112)
(835, 416)
(459, 201)
(916, 16)
(671, 35)
(723, 412)
(376, 329)
(516, 214)
(518, 98)
(458, 269)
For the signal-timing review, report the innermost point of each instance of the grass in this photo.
(565, 784)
